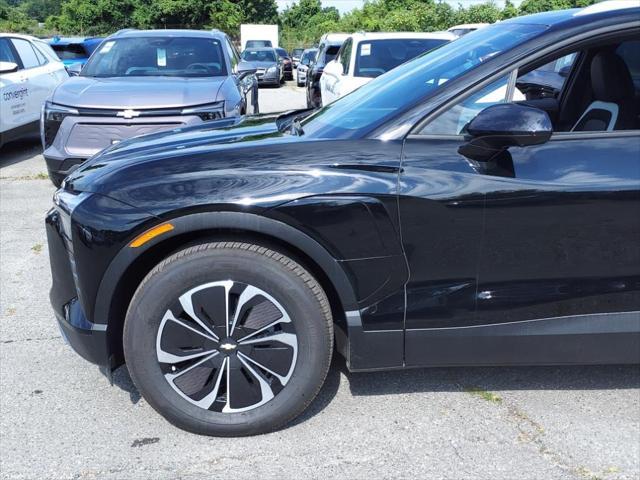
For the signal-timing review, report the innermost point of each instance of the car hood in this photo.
(177, 145)
(137, 92)
(263, 64)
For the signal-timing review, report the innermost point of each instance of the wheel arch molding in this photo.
(131, 265)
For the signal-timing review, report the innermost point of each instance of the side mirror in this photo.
(244, 69)
(74, 69)
(505, 125)
(334, 67)
(565, 71)
(8, 67)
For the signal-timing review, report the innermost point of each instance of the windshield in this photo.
(308, 56)
(296, 52)
(258, 43)
(403, 87)
(70, 52)
(259, 56)
(157, 56)
(282, 53)
(376, 57)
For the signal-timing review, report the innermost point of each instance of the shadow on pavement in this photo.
(455, 379)
(20, 150)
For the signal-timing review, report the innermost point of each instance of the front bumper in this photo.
(269, 80)
(81, 137)
(88, 339)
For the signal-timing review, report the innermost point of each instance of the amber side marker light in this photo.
(150, 234)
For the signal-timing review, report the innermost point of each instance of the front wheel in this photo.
(229, 339)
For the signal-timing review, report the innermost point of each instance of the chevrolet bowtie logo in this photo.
(227, 346)
(128, 113)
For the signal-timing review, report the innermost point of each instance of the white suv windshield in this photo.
(403, 87)
(157, 56)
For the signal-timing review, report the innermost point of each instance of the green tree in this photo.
(258, 11)
(509, 10)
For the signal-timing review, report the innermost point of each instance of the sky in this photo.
(347, 5)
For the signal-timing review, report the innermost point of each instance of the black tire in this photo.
(148, 332)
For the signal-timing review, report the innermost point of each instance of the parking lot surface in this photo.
(60, 418)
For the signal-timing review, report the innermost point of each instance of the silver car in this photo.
(306, 59)
(138, 82)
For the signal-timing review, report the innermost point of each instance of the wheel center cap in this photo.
(228, 345)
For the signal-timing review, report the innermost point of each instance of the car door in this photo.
(38, 80)
(520, 260)
(13, 91)
(247, 85)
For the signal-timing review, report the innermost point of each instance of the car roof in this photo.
(578, 16)
(363, 36)
(334, 38)
(468, 26)
(72, 40)
(134, 33)
(18, 35)
(261, 49)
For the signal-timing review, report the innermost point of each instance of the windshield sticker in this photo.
(365, 49)
(162, 57)
(106, 47)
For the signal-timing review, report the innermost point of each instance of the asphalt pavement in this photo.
(60, 418)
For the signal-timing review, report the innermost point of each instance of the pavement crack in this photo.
(38, 339)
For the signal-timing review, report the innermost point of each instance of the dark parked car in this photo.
(327, 50)
(287, 63)
(426, 219)
(269, 69)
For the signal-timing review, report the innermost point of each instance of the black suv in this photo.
(327, 50)
(450, 212)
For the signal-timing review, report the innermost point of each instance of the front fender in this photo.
(211, 221)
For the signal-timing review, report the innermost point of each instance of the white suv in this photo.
(365, 56)
(29, 71)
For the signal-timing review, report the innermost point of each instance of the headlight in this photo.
(51, 119)
(211, 111)
(67, 202)
(273, 69)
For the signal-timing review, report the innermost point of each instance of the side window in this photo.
(42, 60)
(630, 54)
(6, 54)
(453, 120)
(45, 50)
(546, 81)
(345, 56)
(26, 53)
(234, 59)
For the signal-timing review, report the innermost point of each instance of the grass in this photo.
(483, 394)
(37, 176)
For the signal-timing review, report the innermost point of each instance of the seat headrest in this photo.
(610, 78)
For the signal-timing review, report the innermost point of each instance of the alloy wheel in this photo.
(227, 346)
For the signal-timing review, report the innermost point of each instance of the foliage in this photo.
(301, 24)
